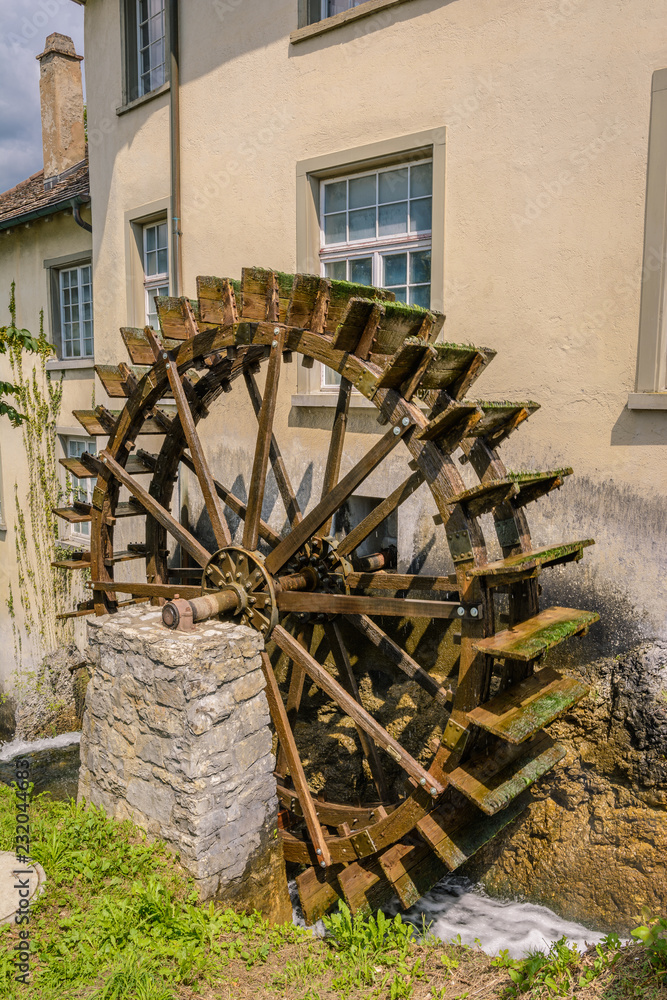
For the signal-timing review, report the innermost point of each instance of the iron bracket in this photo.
(455, 736)
(460, 545)
(507, 533)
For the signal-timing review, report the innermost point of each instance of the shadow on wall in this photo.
(640, 427)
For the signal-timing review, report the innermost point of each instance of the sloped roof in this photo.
(30, 199)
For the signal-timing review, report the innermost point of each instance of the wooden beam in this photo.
(338, 495)
(349, 604)
(344, 667)
(401, 581)
(284, 731)
(234, 504)
(379, 513)
(277, 462)
(356, 712)
(166, 590)
(336, 444)
(393, 652)
(211, 499)
(182, 536)
(265, 432)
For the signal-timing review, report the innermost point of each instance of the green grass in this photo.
(120, 920)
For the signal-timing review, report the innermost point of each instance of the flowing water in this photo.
(54, 763)
(455, 907)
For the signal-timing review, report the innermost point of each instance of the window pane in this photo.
(151, 263)
(420, 215)
(362, 191)
(156, 6)
(420, 267)
(401, 294)
(335, 229)
(394, 185)
(420, 296)
(393, 219)
(362, 224)
(162, 290)
(421, 180)
(336, 269)
(162, 265)
(361, 270)
(395, 269)
(335, 196)
(329, 377)
(151, 234)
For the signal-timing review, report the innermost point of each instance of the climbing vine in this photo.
(43, 591)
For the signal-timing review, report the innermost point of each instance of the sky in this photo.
(24, 26)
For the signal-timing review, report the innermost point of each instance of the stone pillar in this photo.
(176, 738)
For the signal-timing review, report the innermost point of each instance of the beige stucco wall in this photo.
(23, 251)
(546, 111)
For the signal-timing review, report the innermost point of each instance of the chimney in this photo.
(61, 94)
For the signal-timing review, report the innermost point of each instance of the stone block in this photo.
(176, 737)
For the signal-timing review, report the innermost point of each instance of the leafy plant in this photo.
(653, 936)
(558, 971)
(16, 341)
(374, 934)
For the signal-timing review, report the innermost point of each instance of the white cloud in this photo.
(24, 26)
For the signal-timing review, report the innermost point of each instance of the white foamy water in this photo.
(17, 747)
(457, 907)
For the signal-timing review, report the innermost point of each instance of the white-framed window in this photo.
(156, 267)
(151, 45)
(375, 229)
(81, 490)
(76, 311)
(319, 10)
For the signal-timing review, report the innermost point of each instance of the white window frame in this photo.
(377, 248)
(79, 489)
(157, 74)
(154, 284)
(324, 9)
(83, 353)
(651, 383)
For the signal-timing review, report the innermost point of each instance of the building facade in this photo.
(481, 158)
(46, 250)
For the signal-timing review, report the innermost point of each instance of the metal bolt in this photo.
(322, 864)
(164, 355)
(238, 576)
(274, 343)
(397, 431)
(276, 329)
(318, 851)
(460, 612)
(433, 791)
(422, 781)
(474, 612)
(405, 421)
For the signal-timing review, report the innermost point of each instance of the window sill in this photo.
(131, 105)
(647, 400)
(347, 16)
(357, 401)
(59, 365)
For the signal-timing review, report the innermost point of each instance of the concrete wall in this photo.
(23, 251)
(545, 108)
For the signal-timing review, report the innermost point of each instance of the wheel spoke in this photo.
(332, 468)
(294, 695)
(166, 590)
(356, 712)
(379, 513)
(211, 499)
(279, 716)
(346, 672)
(277, 462)
(393, 652)
(338, 495)
(182, 536)
(263, 447)
(236, 505)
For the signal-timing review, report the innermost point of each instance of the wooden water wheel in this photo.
(424, 809)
